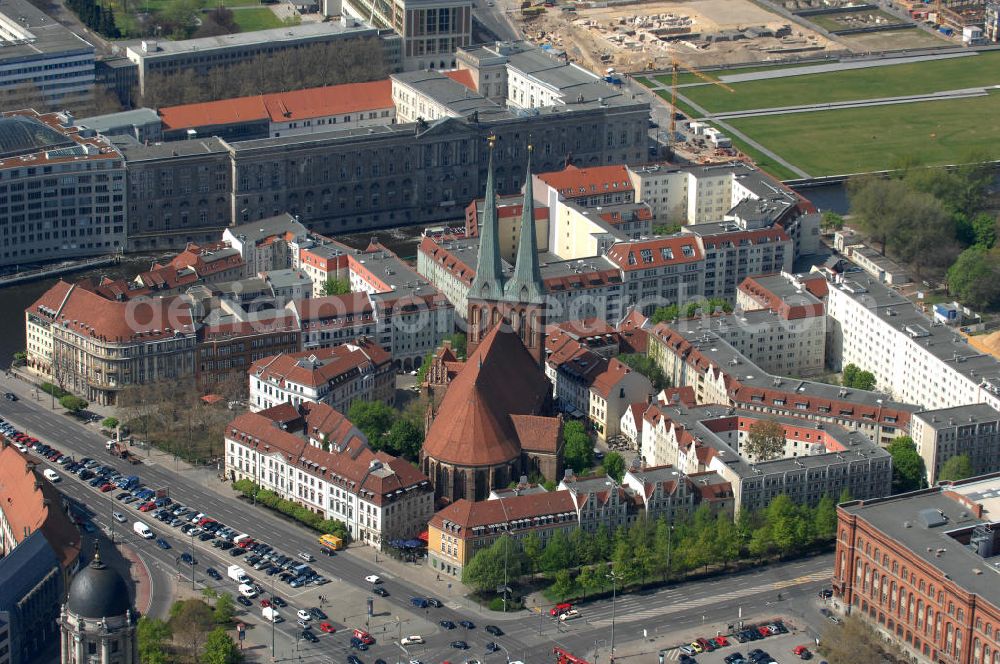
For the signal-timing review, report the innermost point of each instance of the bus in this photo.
(331, 542)
(566, 657)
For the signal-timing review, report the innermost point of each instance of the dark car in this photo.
(460, 645)
(826, 593)
(162, 543)
(317, 613)
(244, 601)
(353, 659)
(308, 635)
(380, 591)
(468, 624)
(188, 559)
(211, 571)
(278, 602)
(123, 495)
(236, 551)
(492, 646)
(433, 602)
(494, 630)
(447, 624)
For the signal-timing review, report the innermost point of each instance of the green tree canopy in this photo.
(956, 468)
(224, 609)
(487, 570)
(152, 636)
(220, 648)
(72, 403)
(908, 473)
(857, 378)
(556, 555)
(614, 466)
(110, 423)
(459, 344)
(578, 450)
(334, 286)
(648, 367)
(975, 278)
(665, 314)
(404, 439)
(831, 221)
(373, 418)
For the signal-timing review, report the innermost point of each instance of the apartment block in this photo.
(972, 430)
(914, 358)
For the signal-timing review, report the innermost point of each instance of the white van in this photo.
(51, 475)
(271, 614)
(142, 530)
(248, 591)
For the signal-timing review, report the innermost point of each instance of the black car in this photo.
(460, 645)
(97, 481)
(494, 630)
(308, 635)
(244, 601)
(435, 603)
(236, 551)
(492, 646)
(353, 659)
(211, 571)
(226, 545)
(468, 624)
(826, 593)
(380, 591)
(188, 559)
(447, 624)
(317, 613)
(86, 475)
(278, 602)
(123, 495)
(327, 551)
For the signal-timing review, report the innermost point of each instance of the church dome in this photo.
(98, 591)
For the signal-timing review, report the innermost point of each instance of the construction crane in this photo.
(675, 67)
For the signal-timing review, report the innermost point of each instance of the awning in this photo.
(424, 537)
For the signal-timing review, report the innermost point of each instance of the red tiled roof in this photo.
(538, 433)
(473, 424)
(331, 364)
(767, 299)
(468, 515)
(448, 260)
(574, 182)
(76, 307)
(607, 380)
(31, 503)
(659, 252)
(463, 76)
(332, 307)
(282, 106)
(279, 321)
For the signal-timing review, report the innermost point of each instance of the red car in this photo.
(560, 609)
(107, 486)
(148, 506)
(327, 627)
(763, 631)
(707, 645)
(264, 603)
(204, 520)
(246, 543)
(721, 641)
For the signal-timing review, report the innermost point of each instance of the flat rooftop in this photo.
(786, 289)
(933, 337)
(903, 520)
(396, 273)
(109, 121)
(27, 33)
(445, 91)
(275, 36)
(946, 418)
(135, 152)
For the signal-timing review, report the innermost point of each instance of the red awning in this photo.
(423, 536)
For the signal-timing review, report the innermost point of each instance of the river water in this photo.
(403, 241)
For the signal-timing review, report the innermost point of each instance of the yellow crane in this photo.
(675, 67)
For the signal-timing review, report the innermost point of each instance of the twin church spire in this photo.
(525, 284)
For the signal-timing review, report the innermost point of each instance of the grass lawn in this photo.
(869, 139)
(763, 162)
(681, 104)
(256, 19)
(872, 82)
(684, 77)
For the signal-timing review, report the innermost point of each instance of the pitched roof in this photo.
(473, 425)
(538, 433)
(520, 512)
(282, 106)
(656, 252)
(463, 76)
(332, 307)
(607, 380)
(314, 368)
(31, 503)
(574, 182)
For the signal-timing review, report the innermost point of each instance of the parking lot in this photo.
(777, 648)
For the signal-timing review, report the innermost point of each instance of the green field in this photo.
(685, 78)
(256, 19)
(874, 138)
(869, 83)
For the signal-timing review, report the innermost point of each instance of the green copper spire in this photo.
(488, 283)
(526, 284)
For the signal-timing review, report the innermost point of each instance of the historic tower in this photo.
(519, 300)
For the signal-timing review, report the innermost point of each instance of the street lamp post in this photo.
(272, 618)
(614, 592)
(191, 553)
(506, 546)
(669, 537)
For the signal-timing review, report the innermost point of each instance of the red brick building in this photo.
(921, 568)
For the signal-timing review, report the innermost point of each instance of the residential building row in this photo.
(920, 569)
(457, 532)
(315, 456)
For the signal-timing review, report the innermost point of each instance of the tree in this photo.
(110, 423)
(590, 579)
(190, 621)
(956, 468)
(556, 555)
(220, 648)
(648, 367)
(578, 451)
(152, 636)
(854, 642)
(666, 229)
(563, 586)
(666, 314)
(334, 286)
(855, 377)
(224, 609)
(614, 466)
(424, 367)
(459, 344)
(404, 439)
(765, 440)
(831, 221)
(72, 403)
(373, 418)
(826, 518)
(533, 551)
(975, 278)
(486, 570)
(908, 473)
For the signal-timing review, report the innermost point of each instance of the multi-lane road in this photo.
(528, 636)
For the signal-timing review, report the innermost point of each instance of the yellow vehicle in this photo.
(331, 542)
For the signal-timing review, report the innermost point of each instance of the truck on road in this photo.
(238, 574)
(121, 451)
(271, 614)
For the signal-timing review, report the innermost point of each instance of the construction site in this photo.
(650, 35)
